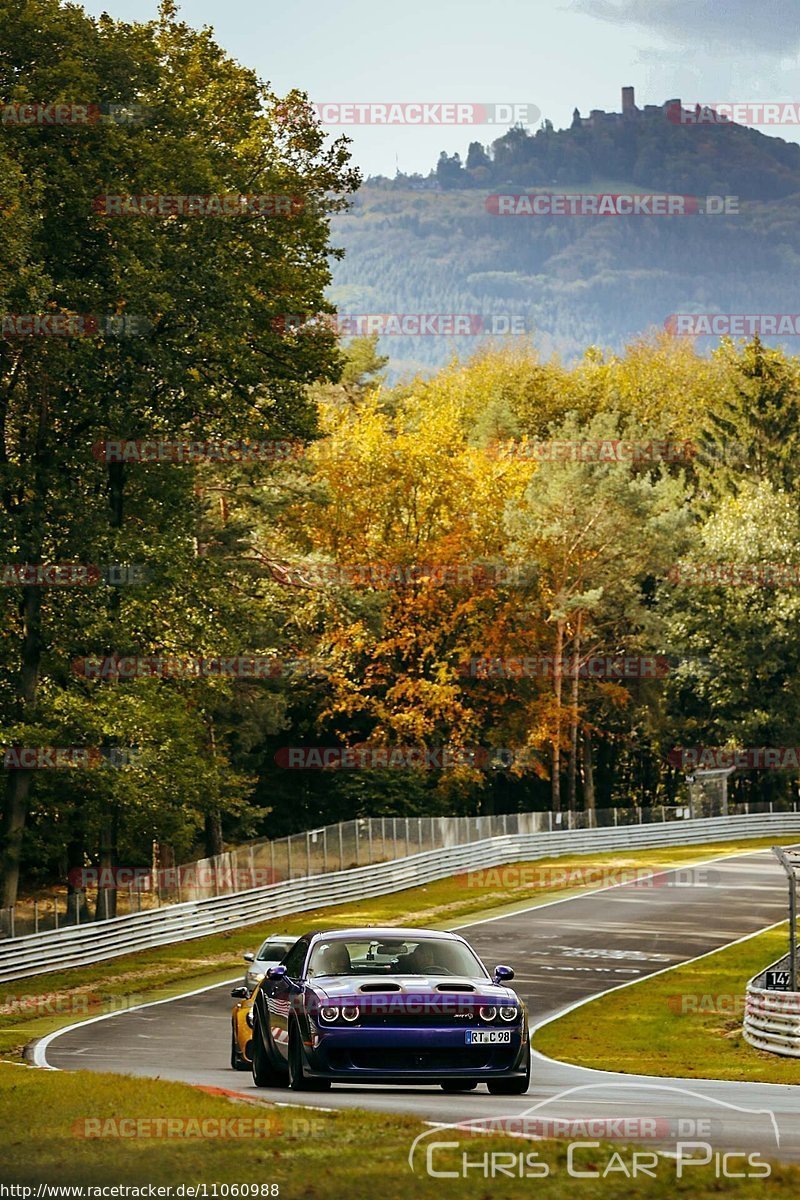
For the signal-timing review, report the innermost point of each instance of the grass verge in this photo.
(685, 1022)
(307, 1154)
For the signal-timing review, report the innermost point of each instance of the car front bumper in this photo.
(413, 1055)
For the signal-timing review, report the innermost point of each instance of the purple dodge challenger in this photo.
(402, 1006)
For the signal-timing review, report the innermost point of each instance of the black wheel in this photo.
(264, 1074)
(237, 1061)
(297, 1080)
(455, 1085)
(512, 1087)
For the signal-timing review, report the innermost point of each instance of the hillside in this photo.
(429, 245)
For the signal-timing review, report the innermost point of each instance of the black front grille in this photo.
(435, 1059)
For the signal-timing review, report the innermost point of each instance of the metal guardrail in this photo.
(772, 1019)
(75, 946)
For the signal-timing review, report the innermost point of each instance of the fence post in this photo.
(289, 855)
(325, 849)
(308, 853)
(369, 826)
(272, 860)
(341, 849)
(36, 916)
(406, 837)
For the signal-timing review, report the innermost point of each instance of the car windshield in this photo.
(274, 951)
(426, 956)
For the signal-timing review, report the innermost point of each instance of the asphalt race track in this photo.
(563, 953)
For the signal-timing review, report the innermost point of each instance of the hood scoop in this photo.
(380, 987)
(454, 987)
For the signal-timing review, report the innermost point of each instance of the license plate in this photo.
(478, 1037)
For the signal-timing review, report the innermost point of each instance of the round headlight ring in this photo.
(350, 1012)
(329, 1012)
(487, 1012)
(509, 1012)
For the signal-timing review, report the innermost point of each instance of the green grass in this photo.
(63, 997)
(685, 1022)
(309, 1155)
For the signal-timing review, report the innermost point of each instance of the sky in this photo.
(552, 54)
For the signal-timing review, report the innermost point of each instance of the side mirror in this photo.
(503, 974)
(240, 993)
(249, 957)
(279, 973)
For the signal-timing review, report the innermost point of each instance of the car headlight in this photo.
(509, 1012)
(350, 1012)
(328, 1012)
(488, 1012)
(249, 1017)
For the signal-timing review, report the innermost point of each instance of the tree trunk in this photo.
(572, 766)
(19, 781)
(555, 782)
(214, 843)
(588, 773)
(107, 895)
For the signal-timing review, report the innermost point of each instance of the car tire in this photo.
(238, 1062)
(297, 1080)
(457, 1085)
(264, 1073)
(511, 1087)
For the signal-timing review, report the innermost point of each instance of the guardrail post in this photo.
(369, 827)
(308, 854)
(341, 849)
(357, 839)
(325, 849)
(789, 868)
(289, 855)
(36, 916)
